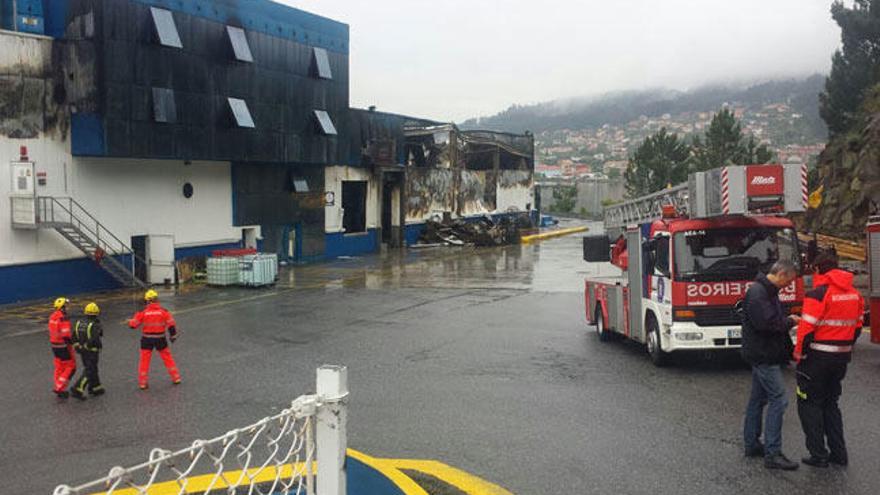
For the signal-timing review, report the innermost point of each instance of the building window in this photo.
(240, 113)
(354, 206)
(240, 47)
(321, 64)
(325, 123)
(164, 108)
(299, 185)
(166, 29)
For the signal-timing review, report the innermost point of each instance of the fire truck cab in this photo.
(683, 273)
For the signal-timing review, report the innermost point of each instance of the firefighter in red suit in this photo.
(830, 325)
(62, 347)
(156, 320)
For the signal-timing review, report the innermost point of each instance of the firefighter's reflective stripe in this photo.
(801, 394)
(810, 319)
(837, 323)
(830, 347)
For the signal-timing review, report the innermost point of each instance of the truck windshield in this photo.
(731, 254)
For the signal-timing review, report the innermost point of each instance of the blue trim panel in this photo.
(266, 17)
(364, 480)
(340, 244)
(87, 135)
(55, 17)
(53, 279)
(412, 233)
(27, 10)
(188, 252)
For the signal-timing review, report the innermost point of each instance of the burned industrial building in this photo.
(179, 128)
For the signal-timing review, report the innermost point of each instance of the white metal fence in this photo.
(275, 455)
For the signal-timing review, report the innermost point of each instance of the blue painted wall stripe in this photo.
(339, 244)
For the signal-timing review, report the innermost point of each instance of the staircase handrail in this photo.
(100, 232)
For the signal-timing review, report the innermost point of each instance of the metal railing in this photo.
(275, 455)
(65, 211)
(646, 208)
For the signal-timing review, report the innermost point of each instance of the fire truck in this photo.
(873, 252)
(687, 254)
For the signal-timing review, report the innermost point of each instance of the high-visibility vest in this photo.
(833, 313)
(154, 318)
(59, 329)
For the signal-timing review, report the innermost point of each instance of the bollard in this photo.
(332, 391)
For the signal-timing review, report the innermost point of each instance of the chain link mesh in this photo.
(275, 455)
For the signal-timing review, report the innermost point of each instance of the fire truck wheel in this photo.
(603, 333)
(658, 356)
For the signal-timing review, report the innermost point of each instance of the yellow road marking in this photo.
(526, 239)
(390, 468)
(462, 480)
(214, 481)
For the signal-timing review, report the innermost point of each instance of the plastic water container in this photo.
(257, 270)
(223, 271)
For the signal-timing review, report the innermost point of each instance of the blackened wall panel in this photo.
(203, 74)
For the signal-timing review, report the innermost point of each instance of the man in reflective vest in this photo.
(155, 320)
(829, 327)
(87, 335)
(59, 339)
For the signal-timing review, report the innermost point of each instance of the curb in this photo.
(554, 233)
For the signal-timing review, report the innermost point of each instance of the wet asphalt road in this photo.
(477, 358)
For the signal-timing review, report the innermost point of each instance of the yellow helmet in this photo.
(60, 302)
(92, 309)
(151, 295)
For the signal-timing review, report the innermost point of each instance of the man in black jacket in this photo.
(767, 346)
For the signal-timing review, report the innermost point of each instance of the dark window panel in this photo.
(240, 47)
(166, 29)
(240, 113)
(164, 108)
(321, 64)
(325, 123)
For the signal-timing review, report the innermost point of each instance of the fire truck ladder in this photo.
(646, 208)
(84, 231)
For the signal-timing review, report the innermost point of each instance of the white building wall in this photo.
(26, 246)
(130, 197)
(518, 197)
(333, 178)
(142, 197)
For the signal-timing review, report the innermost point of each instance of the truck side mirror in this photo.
(597, 248)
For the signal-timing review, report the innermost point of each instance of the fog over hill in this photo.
(802, 95)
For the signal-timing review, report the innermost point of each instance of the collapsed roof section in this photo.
(446, 146)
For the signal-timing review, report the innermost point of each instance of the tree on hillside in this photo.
(855, 67)
(660, 160)
(564, 199)
(725, 144)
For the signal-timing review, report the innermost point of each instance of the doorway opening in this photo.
(354, 205)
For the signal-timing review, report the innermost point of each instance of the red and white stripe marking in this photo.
(805, 193)
(725, 191)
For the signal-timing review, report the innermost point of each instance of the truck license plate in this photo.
(735, 333)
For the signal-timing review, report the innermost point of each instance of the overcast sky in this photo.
(455, 59)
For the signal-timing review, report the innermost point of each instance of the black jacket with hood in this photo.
(766, 326)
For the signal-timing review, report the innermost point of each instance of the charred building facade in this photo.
(177, 128)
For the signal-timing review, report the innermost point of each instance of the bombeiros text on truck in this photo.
(687, 254)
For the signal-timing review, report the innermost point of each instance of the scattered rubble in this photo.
(482, 231)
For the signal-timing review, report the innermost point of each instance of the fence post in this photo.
(332, 390)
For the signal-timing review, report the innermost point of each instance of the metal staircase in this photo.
(80, 228)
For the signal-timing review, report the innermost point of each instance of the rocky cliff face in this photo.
(849, 168)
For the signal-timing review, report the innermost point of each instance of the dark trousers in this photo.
(818, 391)
(88, 378)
